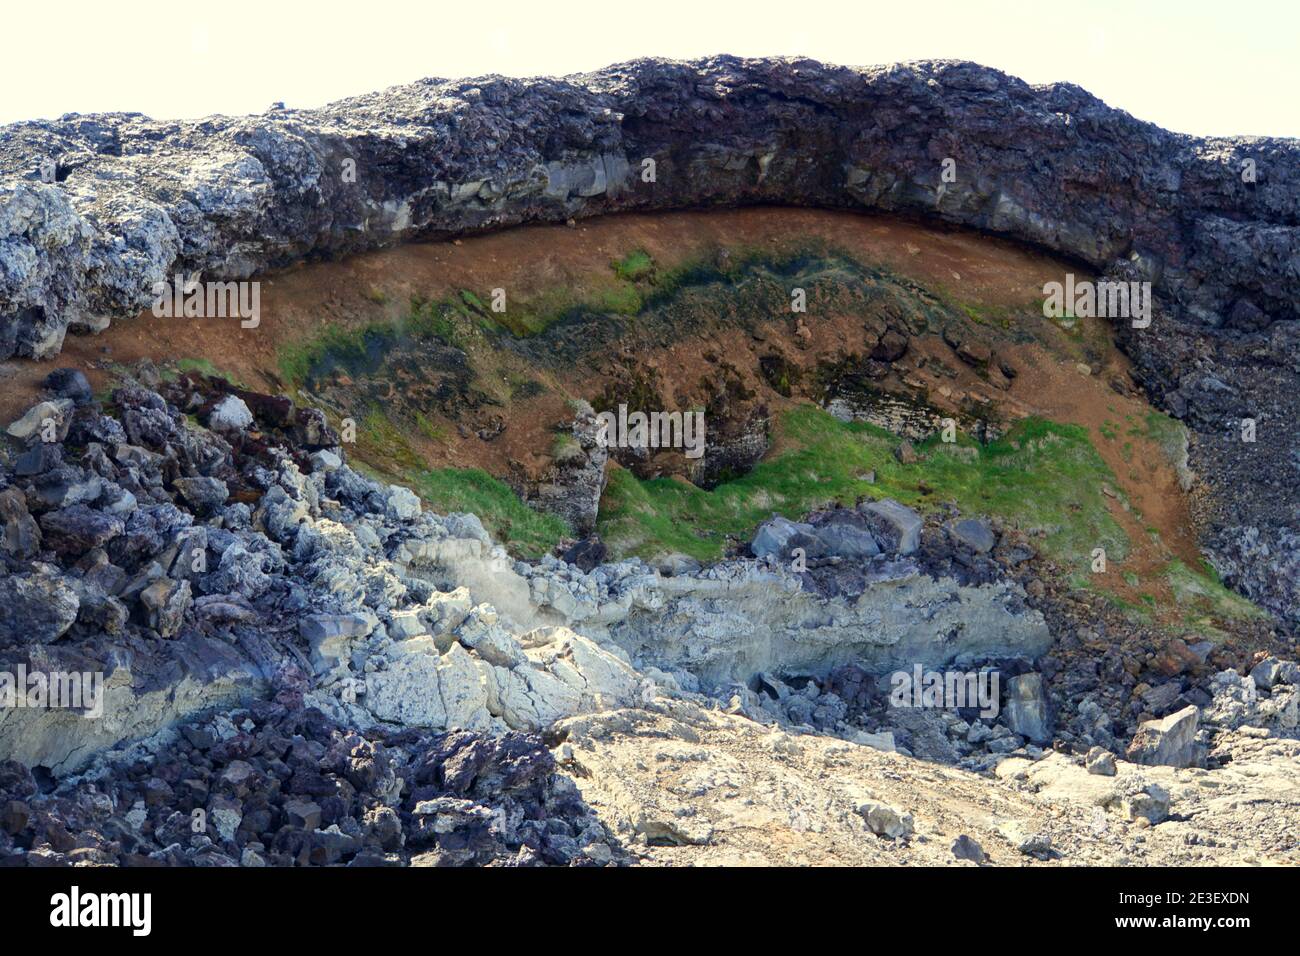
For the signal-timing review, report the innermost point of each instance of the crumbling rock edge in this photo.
(137, 200)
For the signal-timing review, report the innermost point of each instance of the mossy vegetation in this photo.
(350, 347)
(634, 285)
(200, 366)
(379, 439)
(1203, 598)
(1168, 433)
(525, 532)
(634, 266)
(1041, 476)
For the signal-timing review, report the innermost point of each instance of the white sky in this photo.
(1198, 66)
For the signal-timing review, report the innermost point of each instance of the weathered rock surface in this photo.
(273, 786)
(309, 601)
(1170, 742)
(682, 785)
(135, 202)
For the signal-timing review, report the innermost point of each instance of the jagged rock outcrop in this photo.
(352, 680)
(1213, 223)
(282, 786)
(206, 568)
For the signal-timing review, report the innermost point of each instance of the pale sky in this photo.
(1199, 66)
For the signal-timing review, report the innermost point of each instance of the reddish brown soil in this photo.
(986, 276)
(529, 259)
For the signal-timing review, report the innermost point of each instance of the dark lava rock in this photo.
(35, 608)
(69, 383)
(587, 554)
(204, 495)
(974, 534)
(75, 530)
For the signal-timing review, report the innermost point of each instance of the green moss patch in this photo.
(1041, 475)
(525, 532)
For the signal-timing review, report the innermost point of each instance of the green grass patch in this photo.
(448, 322)
(431, 430)
(524, 531)
(1169, 433)
(634, 266)
(297, 360)
(1042, 475)
(1204, 598)
(200, 366)
(384, 444)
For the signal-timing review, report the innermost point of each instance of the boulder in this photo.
(1170, 742)
(402, 504)
(20, 535)
(1100, 762)
(778, 536)
(885, 821)
(964, 848)
(69, 383)
(325, 461)
(36, 608)
(1150, 802)
(204, 495)
(421, 688)
(75, 530)
(165, 602)
(844, 538)
(1270, 672)
(230, 414)
(974, 535)
(40, 458)
(33, 420)
(330, 636)
(896, 526)
(1026, 708)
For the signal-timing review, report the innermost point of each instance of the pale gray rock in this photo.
(1027, 712)
(230, 414)
(883, 820)
(1100, 762)
(778, 535)
(1150, 801)
(974, 534)
(1169, 742)
(33, 420)
(318, 627)
(325, 461)
(845, 539)
(402, 503)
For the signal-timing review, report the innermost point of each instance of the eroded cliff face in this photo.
(134, 200)
(1213, 224)
(386, 680)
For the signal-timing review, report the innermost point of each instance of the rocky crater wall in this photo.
(1214, 224)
